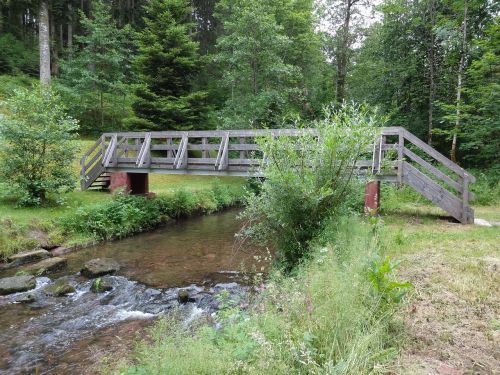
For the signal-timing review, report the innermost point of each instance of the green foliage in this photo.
(307, 182)
(17, 56)
(37, 145)
(412, 59)
(270, 62)
(13, 239)
(390, 290)
(481, 135)
(487, 187)
(167, 62)
(9, 83)
(94, 77)
(330, 318)
(251, 52)
(128, 214)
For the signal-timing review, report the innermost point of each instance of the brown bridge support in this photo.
(131, 183)
(372, 198)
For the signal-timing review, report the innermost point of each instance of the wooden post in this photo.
(169, 152)
(465, 199)
(401, 146)
(242, 153)
(204, 142)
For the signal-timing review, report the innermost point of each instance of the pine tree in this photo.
(167, 62)
(101, 67)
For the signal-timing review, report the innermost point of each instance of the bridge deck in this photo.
(237, 153)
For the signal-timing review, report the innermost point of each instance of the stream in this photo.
(72, 334)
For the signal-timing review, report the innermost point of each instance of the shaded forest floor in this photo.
(452, 322)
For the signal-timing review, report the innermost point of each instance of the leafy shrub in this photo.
(37, 145)
(487, 187)
(120, 217)
(307, 182)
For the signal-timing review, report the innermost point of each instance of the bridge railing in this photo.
(236, 152)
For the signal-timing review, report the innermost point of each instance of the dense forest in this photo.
(432, 66)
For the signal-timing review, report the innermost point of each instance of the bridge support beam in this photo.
(372, 198)
(131, 183)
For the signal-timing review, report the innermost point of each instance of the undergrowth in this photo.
(127, 214)
(335, 316)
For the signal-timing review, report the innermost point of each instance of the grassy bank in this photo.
(24, 228)
(452, 322)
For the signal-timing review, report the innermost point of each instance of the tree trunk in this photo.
(342, 51)
(70, 26)
(432, 85)
(54, 49)
(461, 67)
(44, 42)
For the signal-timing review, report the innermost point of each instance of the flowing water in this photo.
(61, 335)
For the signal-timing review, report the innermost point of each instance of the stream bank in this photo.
(196, 256)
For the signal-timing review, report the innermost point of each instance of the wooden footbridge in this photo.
(396, 156)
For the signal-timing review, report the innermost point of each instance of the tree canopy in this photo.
(429, 66)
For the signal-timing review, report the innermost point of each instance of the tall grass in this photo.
(330, 318)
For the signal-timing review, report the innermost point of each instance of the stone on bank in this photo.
(16, 284)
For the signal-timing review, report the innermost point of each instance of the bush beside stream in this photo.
(127, 214)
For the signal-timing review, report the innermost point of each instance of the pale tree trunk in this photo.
(44, 42)
(55, 52)
(432, 85)
(461, 67)
(70, 26)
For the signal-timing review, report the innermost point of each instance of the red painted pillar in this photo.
(131, 183)
(372, 197)
(120, 180)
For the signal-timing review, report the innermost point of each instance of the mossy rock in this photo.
(101, 285)
(16, 284)
(59, 288)
(100, 267)
(46, 266)
(26, 298)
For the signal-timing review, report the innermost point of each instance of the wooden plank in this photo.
(144, 154)
(221, 150)
(223, 162)
(436, 155)
(432, 191)
(401, 146)
(181, 159)
(92, 161)
(109, 152)
(204, 144)
(431, 169)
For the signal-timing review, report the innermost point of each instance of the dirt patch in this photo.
(452, 321)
